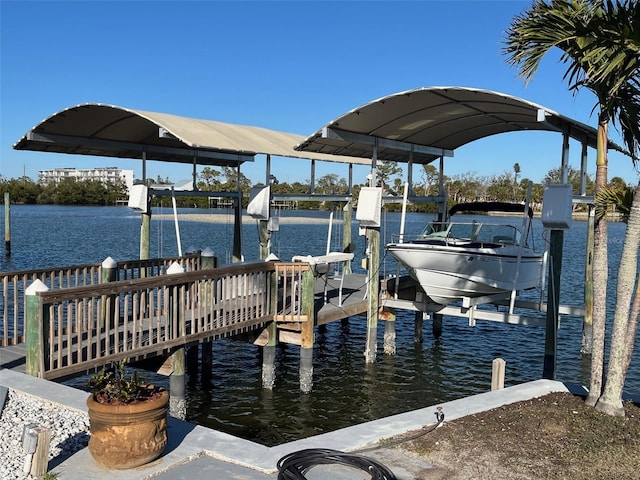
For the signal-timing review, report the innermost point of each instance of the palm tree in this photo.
(599, 44)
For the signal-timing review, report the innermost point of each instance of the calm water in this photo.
(345, 390)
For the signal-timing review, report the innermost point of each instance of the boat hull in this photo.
(451, 273)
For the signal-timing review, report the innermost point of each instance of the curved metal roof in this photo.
(434, 121)
(112, 131)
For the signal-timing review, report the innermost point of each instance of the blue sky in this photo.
(292, 66)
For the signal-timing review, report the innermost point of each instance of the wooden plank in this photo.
(40, 460)
(291, 318)
(293, 338)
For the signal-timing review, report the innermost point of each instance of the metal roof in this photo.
(112, 131)
(434, 121)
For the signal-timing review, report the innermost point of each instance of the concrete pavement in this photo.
(197, 452)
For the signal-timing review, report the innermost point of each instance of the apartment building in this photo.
(103, 174)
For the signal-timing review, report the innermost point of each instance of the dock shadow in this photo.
(69, 447)
(177, 431)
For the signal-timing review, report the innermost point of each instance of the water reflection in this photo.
(229, 397)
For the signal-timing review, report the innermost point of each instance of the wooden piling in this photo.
(269, 359)
(7, 224)
(418, 322)
(553, 302)
(497, 373)
(269, 350)
(192, 355)
(209, 261)
(145, 233)
(389, 341)
(109, 273)
(36, 351)
(264, 238)
(373, 289)
(347, 244)
(306, 345)
(177, 400)
(436, 326)
(237, 226)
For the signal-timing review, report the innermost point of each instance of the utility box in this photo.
(138, 198)
(259, 203)
(557, 206)
(369, 206)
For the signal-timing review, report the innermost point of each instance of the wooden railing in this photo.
(13, 285)
(82, 328)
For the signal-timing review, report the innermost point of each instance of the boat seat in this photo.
(321, 266)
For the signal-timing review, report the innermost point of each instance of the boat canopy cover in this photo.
(427, 123)
(484, 207)
(113, 131)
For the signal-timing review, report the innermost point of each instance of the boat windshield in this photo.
(472, 232)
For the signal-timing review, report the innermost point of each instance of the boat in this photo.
(455, 260)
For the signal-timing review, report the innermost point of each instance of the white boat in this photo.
(456, 260)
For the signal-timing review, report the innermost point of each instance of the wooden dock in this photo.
(78, 344)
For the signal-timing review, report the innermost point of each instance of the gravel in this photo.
(69, 431)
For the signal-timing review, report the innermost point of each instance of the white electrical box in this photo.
(259, 203)
(557, 206)
(138, 198)
(369, 206)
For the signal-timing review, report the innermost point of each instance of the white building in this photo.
(104, 174)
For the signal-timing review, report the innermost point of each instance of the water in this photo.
(346, 391)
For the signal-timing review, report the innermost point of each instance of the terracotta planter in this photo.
(127, 436)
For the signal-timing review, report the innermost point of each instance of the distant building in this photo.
(104, 174)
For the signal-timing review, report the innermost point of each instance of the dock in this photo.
(83, 328)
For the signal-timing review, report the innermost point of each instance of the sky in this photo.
(292, 66)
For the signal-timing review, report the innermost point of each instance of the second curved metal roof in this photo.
(440, 119)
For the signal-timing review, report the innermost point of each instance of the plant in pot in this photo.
(127, 418)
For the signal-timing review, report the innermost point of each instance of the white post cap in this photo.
(36, 286)
(175, 268)
(109, 263)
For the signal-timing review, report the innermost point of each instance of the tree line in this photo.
(68, 191)
(469, 186)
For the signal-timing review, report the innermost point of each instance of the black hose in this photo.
(294, 465)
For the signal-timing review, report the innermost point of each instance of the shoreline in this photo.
(226, 218)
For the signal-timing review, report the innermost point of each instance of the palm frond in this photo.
(620, 199)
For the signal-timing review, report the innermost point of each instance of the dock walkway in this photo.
(337, 306)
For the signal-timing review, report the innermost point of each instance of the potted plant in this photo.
(127, 418)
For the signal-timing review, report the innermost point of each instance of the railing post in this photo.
(177, 402)
(108, 303)
(306, 344)
(37, 330)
